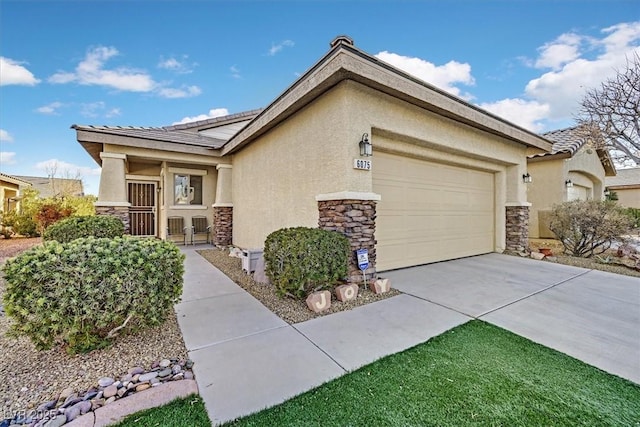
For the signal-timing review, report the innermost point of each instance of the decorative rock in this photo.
(141, 387)
(188, 375)
(154, 381)
(164, 373)
(46, 406)
(97, 403)
(105, 381)
(90, 395)
(188, 364)
(146, 377)
(347, 292)
(122, 391)
(110, 391)
(131, 385)
(176, 369)
(319, 301)
(164, 363)
(84, 406)
(178, 376)
(71, 400)
(155, 365)
(380, 286)
(72, 413)
(136, 370)
(136, 378)
(126, 378)
(65, 393)
(537, 255)
(58, 421)
(110, 400)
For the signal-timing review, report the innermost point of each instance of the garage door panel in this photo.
(431, 212)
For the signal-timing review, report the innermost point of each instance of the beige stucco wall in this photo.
(628, 197)
(312, 153)
(7, 190)
(548, 187)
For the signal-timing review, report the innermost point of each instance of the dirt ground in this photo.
(12, 247)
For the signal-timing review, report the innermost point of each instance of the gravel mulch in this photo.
(288, 309)
(29, 377)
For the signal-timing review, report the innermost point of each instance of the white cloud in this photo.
(563, 87)
(7, 158)
(235, 72)
(13, 73)
(98, 109)
(50, 108)
(91, 71)
(564, 49)
(64, 169)
(527, 114)
(444, 76)
(177, 65)
(184, 92)
(114, 112)
(275, 48)
(5, 136)
(215, 112)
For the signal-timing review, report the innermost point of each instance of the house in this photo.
(54, 187)
(444, 179)
(10, 192)
(573, 169)
(626, 185)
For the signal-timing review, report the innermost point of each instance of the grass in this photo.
(186, 412)
(476, 374)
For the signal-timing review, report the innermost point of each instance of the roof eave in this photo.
(344, 62)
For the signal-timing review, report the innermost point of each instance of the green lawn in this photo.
(187, 412)
(475, 374)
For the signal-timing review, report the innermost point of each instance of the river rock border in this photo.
(70, 405)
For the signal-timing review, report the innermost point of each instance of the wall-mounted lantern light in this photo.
(365, 146)
(568, 183)
(526, 178)
(607, 192)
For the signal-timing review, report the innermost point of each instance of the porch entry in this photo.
(142, 212)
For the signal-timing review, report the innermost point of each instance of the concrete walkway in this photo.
(246, 358)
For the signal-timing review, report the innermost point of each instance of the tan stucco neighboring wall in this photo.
(628, 197)
(8, 190)
(312, 153)
(548, 187)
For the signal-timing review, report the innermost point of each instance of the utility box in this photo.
(250, 259)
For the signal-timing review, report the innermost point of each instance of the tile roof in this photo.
(181, 133)
(165, 134)
(566, 140)
(624, 177)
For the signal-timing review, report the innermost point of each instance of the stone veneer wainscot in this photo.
(517, 229)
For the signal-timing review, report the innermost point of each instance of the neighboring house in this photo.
(54, 187)
(626, 185)
(10, 192)
(572, 170)
(445, 179)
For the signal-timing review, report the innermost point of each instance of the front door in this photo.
(142, 213)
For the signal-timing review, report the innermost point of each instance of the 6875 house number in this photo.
(362, 164)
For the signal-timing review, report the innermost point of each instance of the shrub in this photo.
(634, 214)
(50, 213)
(301, 260)
(21, 223)
(83, 293)
(73, 228)
(586, 228)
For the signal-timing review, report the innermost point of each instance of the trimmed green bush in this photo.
(84, 293)
(634, 214)
(301, 260)
(84, 226)
(588, 228)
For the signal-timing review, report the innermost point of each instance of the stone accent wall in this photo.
(222, 225)
(121, 212)
(356, 219)
(517, 232)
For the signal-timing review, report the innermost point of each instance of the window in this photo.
(187, 189)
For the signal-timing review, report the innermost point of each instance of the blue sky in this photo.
(155, 63)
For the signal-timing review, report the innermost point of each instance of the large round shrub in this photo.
(85, 292)
(301, 260)
(84, 226)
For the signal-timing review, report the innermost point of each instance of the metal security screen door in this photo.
(142, 213)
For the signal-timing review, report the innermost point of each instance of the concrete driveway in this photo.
(590, 315)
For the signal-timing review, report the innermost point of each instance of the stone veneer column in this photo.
(112, 193)
(517, 229)
(223, 208)
(356, 219)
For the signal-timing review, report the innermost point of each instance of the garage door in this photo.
(430, 212)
